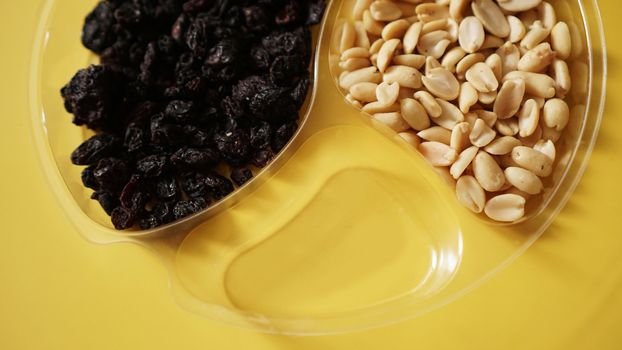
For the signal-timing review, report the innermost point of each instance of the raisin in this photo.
(122, 218)
(234, 146)
(106, 199)
(192, 158)
(134, 195)
(261, 135)
(241, 175)
(94, 96)
(98, 32)
(217, 186)
(262, 157)
(153, 165)
(283, 134)
(193, 184)
(166, 188)
(185, 208)
(111, 173)
(94, 149)
(88, 178)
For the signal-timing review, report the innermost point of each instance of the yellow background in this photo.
(58, 291)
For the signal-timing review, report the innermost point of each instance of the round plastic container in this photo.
(349, 228)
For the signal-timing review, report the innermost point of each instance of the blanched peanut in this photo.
(383, 10)
(518, 5)
(393, 120)
(494, 62)
(547, 15)
(411, 38)
(536, 34)
(457, 8)
(371, 25)
(490, 118)
(561, 74)
(452, 57)
(431, 63)
(530, 159)
(468, 97)
(406, 76)
(369, 74)
(537, 84)
(429, 12)
(482, 134)
(440, 82)
(482, 77)
(387, 93)
(464, 160)
(352, 64)
(355, 52)
(364, 92)
(560, 40)
(467, 62)
(460, 136)
(395, 29)
(517, 29)
(507, 127)
(450, 115)
(359, 7)
(505, 208)
(434, 43)
(414, 114)
(429, 103)
(528, 118)
(386, 54)
(487, 172)
(502, 145)
(411, 60)
(509, 98)
(435, 133)
(537, 59)
(438, 154)
(348, 35)
(470, 193)
(487, 98)
(411, 138)
(471, 34)
(362, 39)
(556, 114)
(510, 55)
(523, 179)
(491, 17)
(547, 147)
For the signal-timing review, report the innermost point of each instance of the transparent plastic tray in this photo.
(349, 228)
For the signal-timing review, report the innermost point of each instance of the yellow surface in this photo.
(60, 292)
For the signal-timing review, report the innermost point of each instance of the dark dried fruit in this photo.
(94, 149)
(111, 173)
(166, 188)
(153, 165)
(106, 199)
(122, 218)
(192, 158)
(217, 186)
(88, 178)
(182, 87)
(185, 208)
(95, 96)
(241, 175)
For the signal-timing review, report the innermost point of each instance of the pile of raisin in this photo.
(185, 89)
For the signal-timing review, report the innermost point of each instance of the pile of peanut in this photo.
(477, 86)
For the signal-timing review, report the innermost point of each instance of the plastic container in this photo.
(349, 228)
